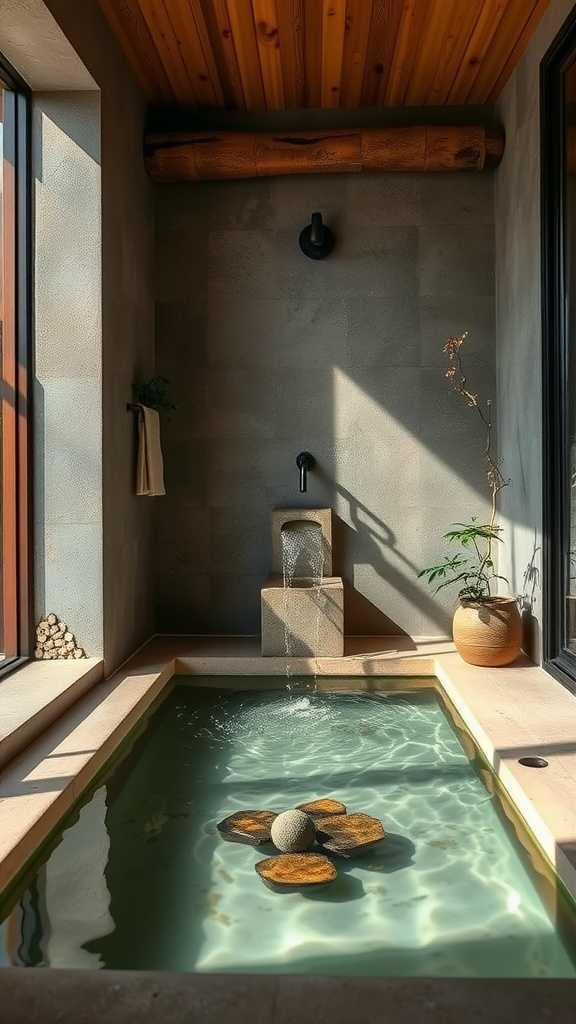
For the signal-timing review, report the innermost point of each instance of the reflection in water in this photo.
(447, 895)
(68, 903)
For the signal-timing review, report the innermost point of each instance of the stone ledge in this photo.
(40, 785)
(34, 696)
(40, 996)
(514, 712)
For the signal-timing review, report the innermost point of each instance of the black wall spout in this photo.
(304, 461)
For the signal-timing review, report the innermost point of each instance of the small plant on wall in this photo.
(486, 627)
(155, 394)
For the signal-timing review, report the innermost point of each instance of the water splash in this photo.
(302, 547)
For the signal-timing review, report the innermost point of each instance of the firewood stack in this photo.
(54, 640)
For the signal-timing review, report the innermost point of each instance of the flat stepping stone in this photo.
(349, 834)
(323, 808)
(251, 827)
(292, 871)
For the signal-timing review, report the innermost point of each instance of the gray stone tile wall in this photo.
(519, 323)
(269, 353)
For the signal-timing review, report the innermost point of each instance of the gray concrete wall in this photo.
(127, 325)
(518, 317)
(68, 362)
(270, 353)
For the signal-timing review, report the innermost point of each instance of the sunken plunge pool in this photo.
(139, 877)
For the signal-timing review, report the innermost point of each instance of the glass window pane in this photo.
(14, 407)
(2, 581)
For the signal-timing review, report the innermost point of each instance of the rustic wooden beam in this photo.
(205, 156)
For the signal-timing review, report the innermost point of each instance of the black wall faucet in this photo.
(304, 461)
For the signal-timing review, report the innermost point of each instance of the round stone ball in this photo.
(293, 832)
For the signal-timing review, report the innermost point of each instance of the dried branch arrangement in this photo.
(473, 568)
(55, 641)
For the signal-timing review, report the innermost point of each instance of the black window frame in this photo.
(17, 338)
(559, 661)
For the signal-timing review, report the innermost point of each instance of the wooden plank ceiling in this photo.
(289, 54)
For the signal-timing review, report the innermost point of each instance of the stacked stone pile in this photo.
(55, 640)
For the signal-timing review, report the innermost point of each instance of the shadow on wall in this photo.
(361, 616)
(528, 598)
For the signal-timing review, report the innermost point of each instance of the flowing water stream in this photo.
(302, 547)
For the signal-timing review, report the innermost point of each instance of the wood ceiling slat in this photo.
(291, 27)
(333, 29)
(487, 26)
(192, 37)
(160, 26)
(126, 19)
(313, 51)
(440, 17)
(207, 48)
(220, 33)
(268, 40)
(357, 31)
(451, 52)
(412, 20)
(278, 54)
(498, 67)
(383, 36)
(244, 36)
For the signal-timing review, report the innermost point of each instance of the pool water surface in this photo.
(142, 879)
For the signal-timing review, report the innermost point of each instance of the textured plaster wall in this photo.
(68, 377)
(127, 310)
(518, 316)
(34, 44)
(270, 353)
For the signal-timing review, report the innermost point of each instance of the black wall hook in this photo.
(316, 240)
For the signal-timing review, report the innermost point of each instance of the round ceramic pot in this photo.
(488, 632)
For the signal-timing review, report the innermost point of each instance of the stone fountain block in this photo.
(282, 516)
(312, 615)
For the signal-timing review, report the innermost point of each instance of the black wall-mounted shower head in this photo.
(316, 240)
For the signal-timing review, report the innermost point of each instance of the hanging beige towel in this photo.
(150, 469)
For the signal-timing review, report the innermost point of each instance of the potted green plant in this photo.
(486, 626)
(155, 393)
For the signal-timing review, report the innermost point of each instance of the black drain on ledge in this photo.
(533, 762)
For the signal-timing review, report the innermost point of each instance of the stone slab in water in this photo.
(251, 827)
(325, 807)
(291, 871)
(349, 834)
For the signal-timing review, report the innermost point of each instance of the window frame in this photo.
(15, 364)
